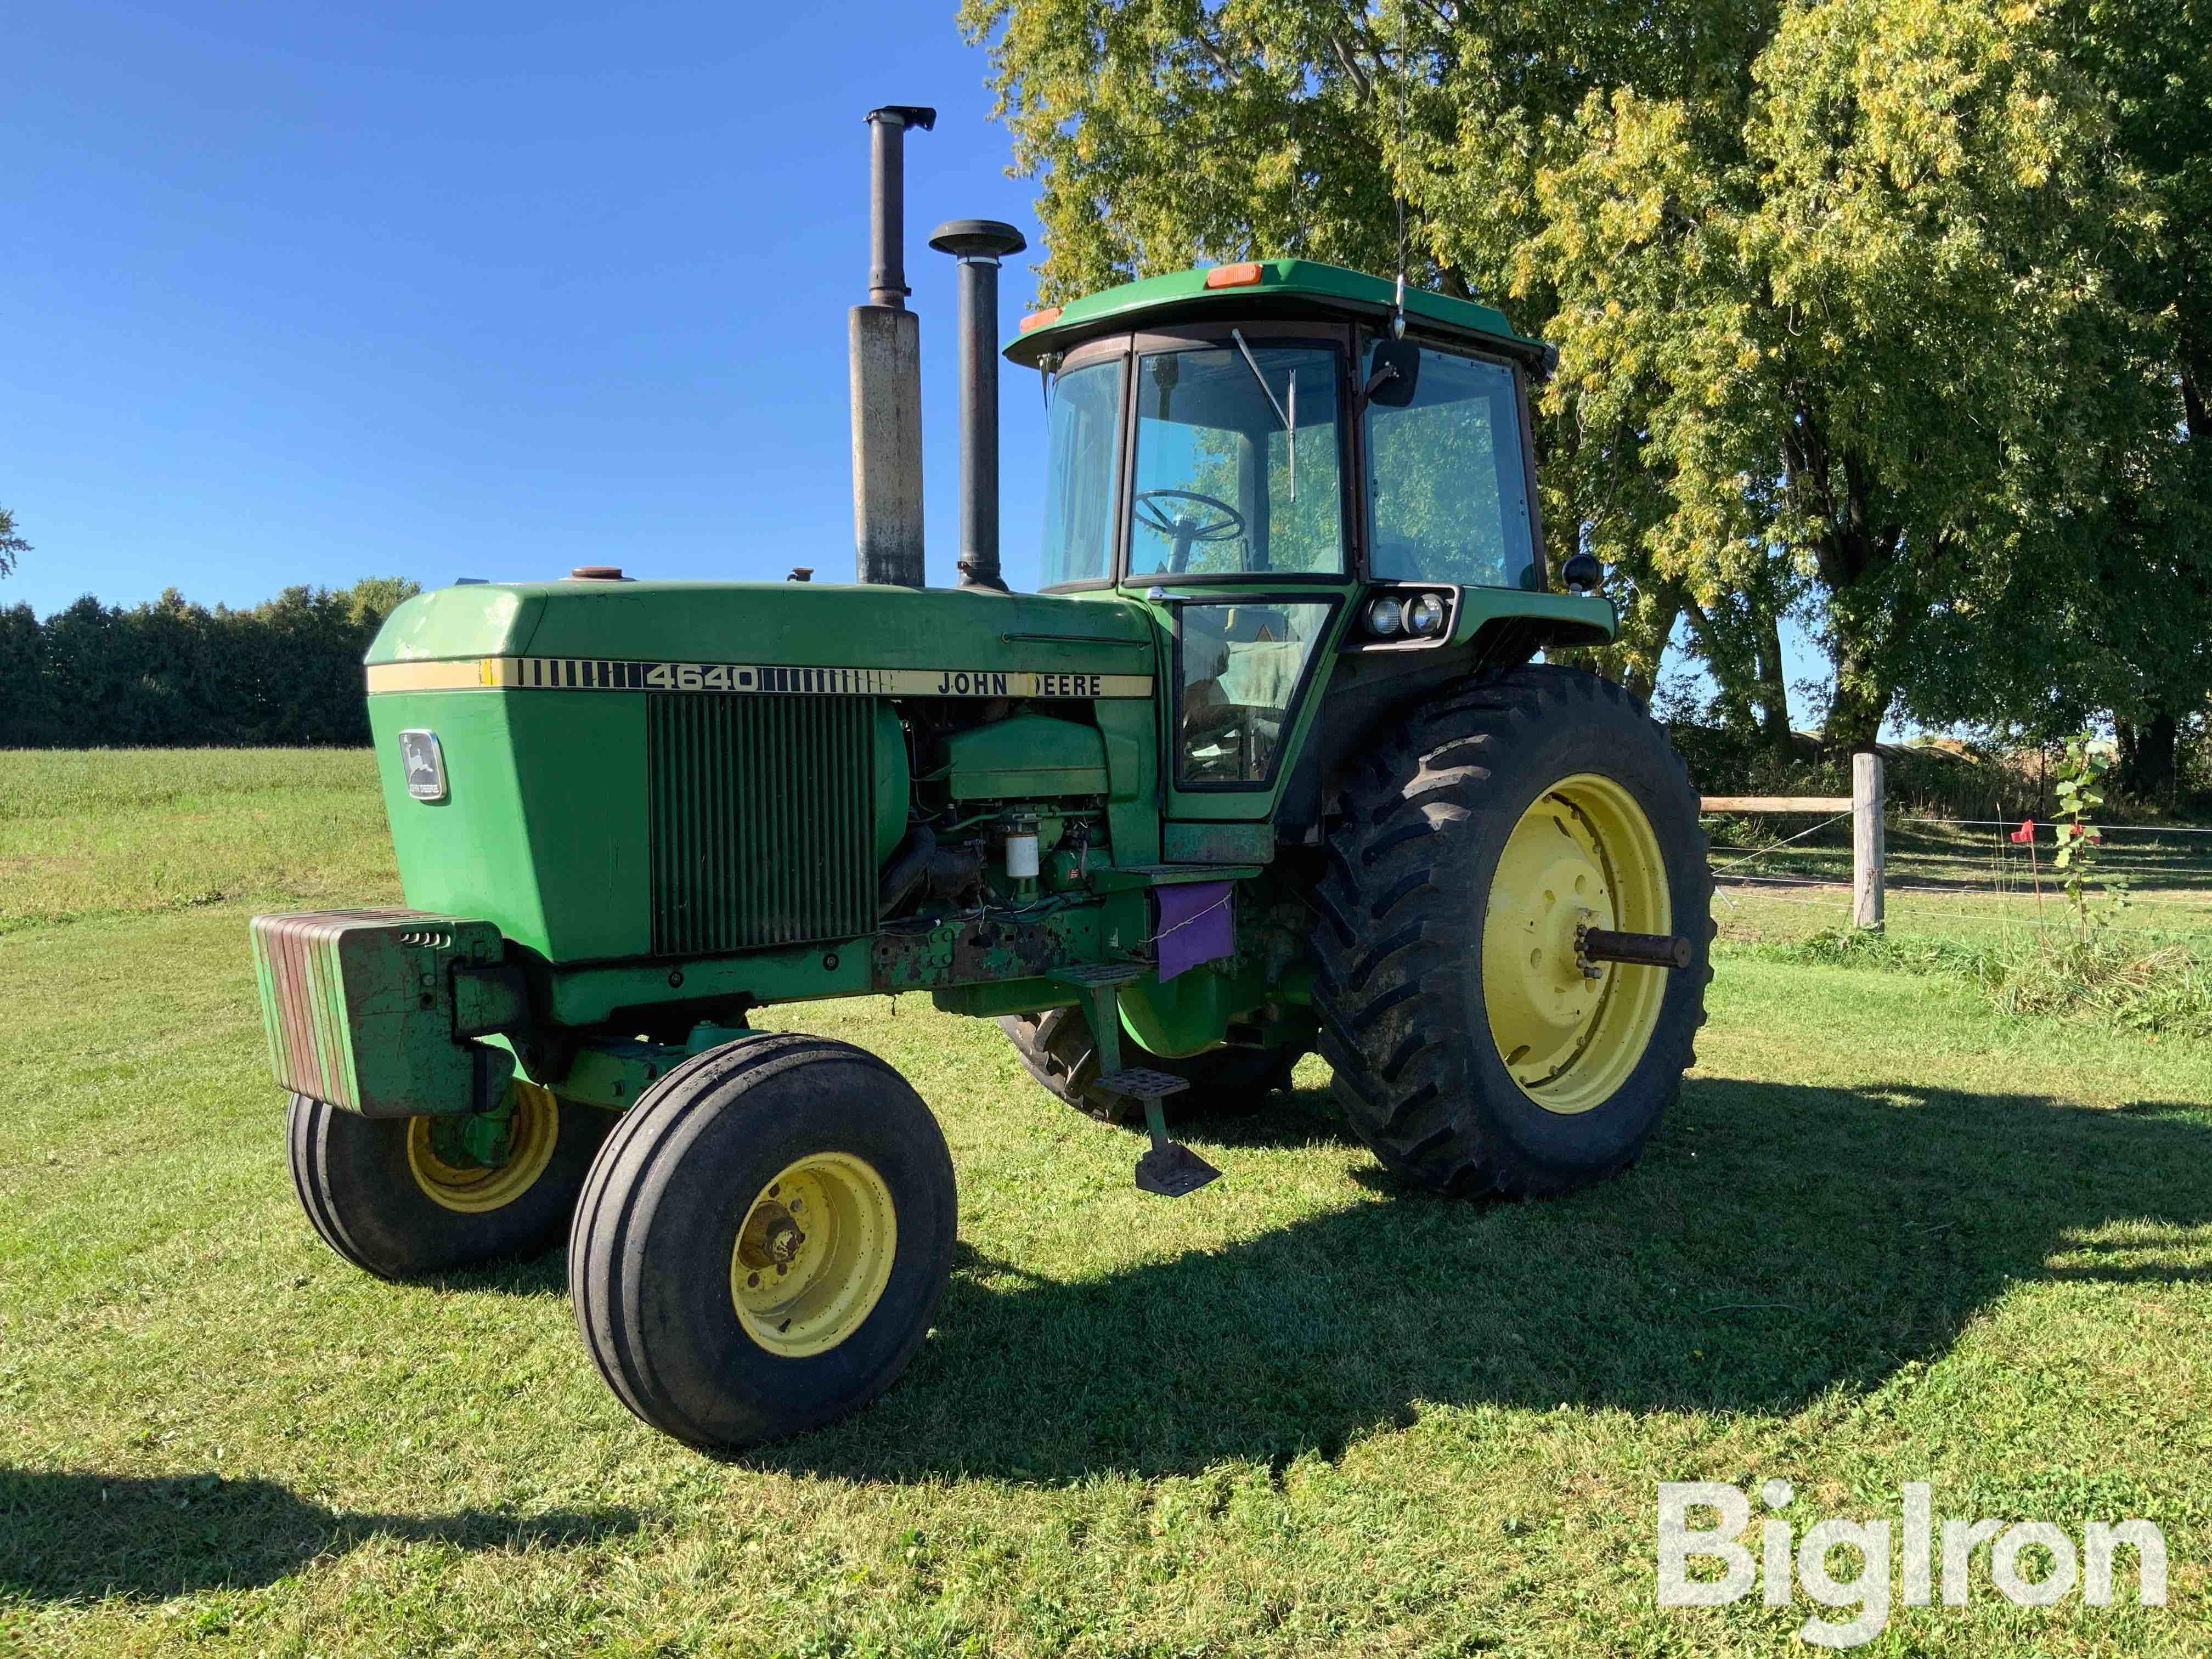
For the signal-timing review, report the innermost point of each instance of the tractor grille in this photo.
(763, 820)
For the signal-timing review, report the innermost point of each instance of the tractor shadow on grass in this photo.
(1286, 1122)
(77, 1534)
(1776, 1242)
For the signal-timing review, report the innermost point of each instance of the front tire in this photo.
(1471, 1050)
(379, 1195)
(762, 1241)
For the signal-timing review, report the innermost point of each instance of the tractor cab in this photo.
(1290, 462)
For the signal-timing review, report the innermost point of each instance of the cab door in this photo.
(1237, 535)
(1245, 676)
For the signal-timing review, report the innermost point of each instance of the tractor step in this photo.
(1091, 975)
(1142, 1083)
(1169, 1167)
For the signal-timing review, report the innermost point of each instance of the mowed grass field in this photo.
(1887, 1236)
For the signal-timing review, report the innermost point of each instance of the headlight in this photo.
(1385, 616)
(1425, 618)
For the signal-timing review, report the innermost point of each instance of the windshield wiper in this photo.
(1289, 420)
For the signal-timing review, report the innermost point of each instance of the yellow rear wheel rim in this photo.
(1583, 855)
(536, 1126)
(813, 1255)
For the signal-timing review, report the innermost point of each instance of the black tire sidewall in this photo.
(355, 1179)
(1055, 1047)
(718, 1387)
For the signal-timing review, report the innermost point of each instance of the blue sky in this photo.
(306, 293)
(300, 294)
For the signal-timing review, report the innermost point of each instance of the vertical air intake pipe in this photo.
(979, 245)
(886, 371)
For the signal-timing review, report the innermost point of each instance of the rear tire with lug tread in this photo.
(1057, 1050)
(762, 1241)
(1470, 1051)
(382, 1201)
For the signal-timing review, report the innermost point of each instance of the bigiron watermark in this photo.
(1935, 1558)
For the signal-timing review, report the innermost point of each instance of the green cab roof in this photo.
(1284, 285)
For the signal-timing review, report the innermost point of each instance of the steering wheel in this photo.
(1186, 532)
(1219, 720)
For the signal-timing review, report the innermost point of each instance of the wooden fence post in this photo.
(1867, 850)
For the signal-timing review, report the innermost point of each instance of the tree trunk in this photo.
(1644, 635)
(1773, 689)
(1725, 668)
(1855, 716)
(2149, 768)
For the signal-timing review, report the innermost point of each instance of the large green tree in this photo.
(1888, 340)
(1842, 287)
(1165, 132)
(2154, 65)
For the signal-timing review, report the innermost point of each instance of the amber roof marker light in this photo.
(1242, 274)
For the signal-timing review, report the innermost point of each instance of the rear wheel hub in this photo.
(1583, 855)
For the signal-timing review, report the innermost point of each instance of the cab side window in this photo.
(1447, 482)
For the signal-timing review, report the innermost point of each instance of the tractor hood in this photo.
(908, 632)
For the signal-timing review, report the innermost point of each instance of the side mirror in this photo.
(1396, 372)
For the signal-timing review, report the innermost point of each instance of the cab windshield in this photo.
(1237, 462)
(1237, 471)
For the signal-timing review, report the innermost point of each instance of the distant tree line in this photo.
(176, 674)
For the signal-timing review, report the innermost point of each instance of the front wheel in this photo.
(762, 1242)
(379, 1193)
(1475, 1048)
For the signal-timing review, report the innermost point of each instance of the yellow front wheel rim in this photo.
(534, 1128)
(1583, 855)
(813, 1255)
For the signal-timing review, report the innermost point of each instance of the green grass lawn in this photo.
(1887, 1236)
(90, 834)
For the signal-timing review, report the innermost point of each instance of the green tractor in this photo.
(1266, 767)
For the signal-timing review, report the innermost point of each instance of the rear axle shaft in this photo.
(1635, 950)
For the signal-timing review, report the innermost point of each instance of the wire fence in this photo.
(1971, 874)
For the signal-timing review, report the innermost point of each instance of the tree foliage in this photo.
(173, 673)
(1887, 312)
(12, 545)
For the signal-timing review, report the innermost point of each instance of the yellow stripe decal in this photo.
(601, 674)
(426, 675)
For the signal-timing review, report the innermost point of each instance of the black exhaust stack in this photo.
(979, 245)
(886, 370)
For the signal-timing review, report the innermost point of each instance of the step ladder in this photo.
(1169, 1167)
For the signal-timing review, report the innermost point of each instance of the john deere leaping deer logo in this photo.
(424, 763)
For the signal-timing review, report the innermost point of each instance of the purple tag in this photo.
(1198, 923)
